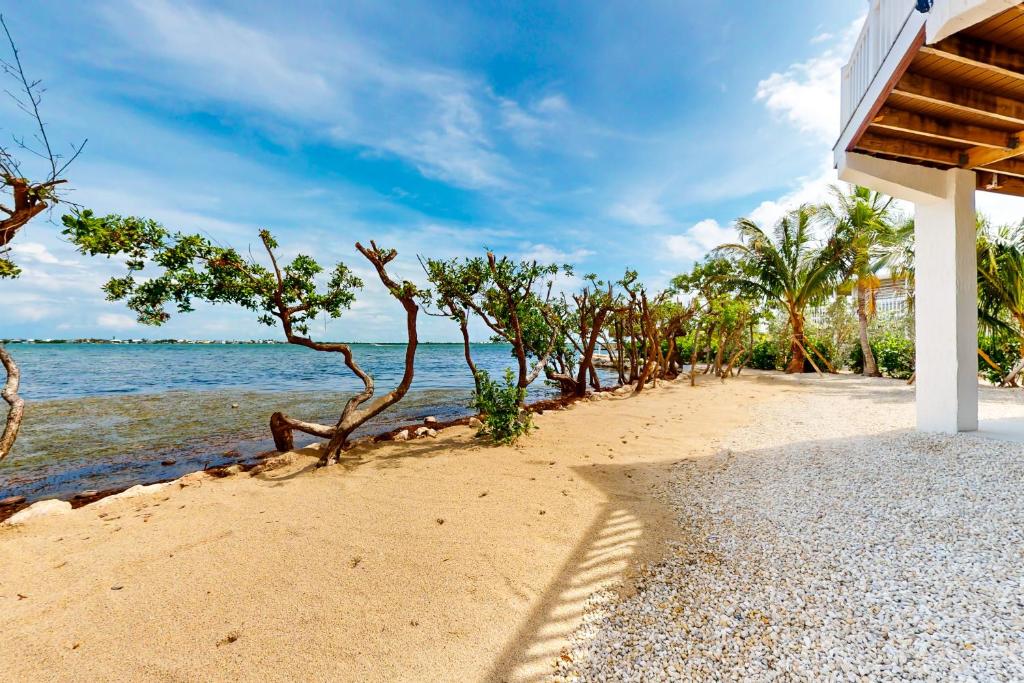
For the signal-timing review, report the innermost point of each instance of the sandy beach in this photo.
(437, 559)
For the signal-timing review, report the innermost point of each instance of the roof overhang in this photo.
(953, 102)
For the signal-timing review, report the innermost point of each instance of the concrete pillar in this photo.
(946, 305)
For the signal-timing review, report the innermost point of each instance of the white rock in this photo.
(40, 508)
(422, 431)
(401, 436)
(430, 420)
(475, 423)
(134, 492)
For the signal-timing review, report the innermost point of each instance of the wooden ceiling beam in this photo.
(967, 100)
(1012, 167)
(909, 149)
(980, 54)
(1002, 185)
(901, 120)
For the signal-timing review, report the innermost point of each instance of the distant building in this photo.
(892, 298)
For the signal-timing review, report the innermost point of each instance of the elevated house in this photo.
(933, 111)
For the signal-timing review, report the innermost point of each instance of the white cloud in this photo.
(116, 321)
(544, 253)
(698, 240)
(807, 94)
(642, 210)
(34, 252)
(345, 89)
(810, 189)
(822, 38)
(532, 125)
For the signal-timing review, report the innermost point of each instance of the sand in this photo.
(438, 559)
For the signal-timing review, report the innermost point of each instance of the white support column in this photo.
(946, 305)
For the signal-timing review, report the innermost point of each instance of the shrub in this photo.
(1003, 350)
(765, 355)
(895, 355)
(500, 403)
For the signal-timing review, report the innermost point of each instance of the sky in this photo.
(607, 135)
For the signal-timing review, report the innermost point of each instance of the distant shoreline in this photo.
(223, 342)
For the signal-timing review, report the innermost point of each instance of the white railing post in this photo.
(882, 27)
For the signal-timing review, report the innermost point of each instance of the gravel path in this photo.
(830, 543)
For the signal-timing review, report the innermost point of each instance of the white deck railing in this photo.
(885, 21)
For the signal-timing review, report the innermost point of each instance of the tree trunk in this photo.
(870, 366)
(352, 416)
(464, 326)
(796, 362)
(16, 411)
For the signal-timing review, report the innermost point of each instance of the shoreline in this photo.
(437, 558)
(248, 463)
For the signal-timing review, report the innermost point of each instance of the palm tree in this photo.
(792, 267)
(1001, 278)
(865, 217)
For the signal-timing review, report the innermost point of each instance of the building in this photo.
(892, 299)
(933, 110)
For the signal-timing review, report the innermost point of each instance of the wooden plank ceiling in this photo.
(960, 103)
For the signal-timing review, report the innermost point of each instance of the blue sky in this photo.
(605, 134)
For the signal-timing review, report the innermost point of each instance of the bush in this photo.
(1004, 352)
(765, 355)
(500, 404)
(895, 356)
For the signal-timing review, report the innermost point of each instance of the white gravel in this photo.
(811, 553)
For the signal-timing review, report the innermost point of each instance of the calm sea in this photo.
(104, 416)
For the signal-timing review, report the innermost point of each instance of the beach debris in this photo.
(354, 562)
(88, 493)
(543, 512)
(234, 405)
(475, 423)
(22, 596)
(401, 436)
(12, 500)
(229, 638)
(116, 587)
(414, 623)
(39, 509)
(439, 521)
(192, 479)
(168, 462)
(483, 494)
(430, 420)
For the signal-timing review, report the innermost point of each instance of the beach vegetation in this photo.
(173, 270)
(790, 267)
(512, 298)
(500, 403)
(865, 217)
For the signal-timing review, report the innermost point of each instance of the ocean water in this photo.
(104, 416)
